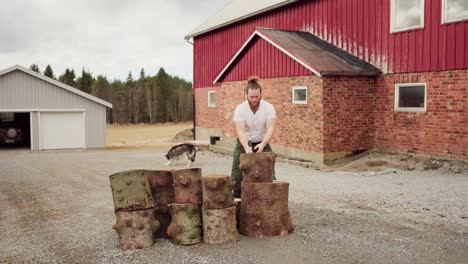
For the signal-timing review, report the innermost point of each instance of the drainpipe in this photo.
(193, 98)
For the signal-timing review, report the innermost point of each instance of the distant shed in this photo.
(53, 115)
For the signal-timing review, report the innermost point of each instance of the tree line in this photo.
(147, 99)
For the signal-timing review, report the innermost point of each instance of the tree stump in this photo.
(162, 189)
(257, 167)
(217, 192)
(185, 227)
(219, 225)
(264, 210)
(131, 190)
(188, 185)
(135, 228)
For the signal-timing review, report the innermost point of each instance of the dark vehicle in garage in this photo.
(11, 131)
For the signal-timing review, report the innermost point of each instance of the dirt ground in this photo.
(56, 207)
(144, 135)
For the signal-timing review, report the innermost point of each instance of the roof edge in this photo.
(261, 11)
(55, 82)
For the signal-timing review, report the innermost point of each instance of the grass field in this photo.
(144, 135)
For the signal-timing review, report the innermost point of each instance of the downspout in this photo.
(193, 97)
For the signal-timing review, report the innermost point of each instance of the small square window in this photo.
(454, 10)
(410, 97)
(211, 99)
(406, 15)
(299, 95)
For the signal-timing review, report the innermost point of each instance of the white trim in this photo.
(54, 82)
(41, 110)
(31, 141)
(209, 104)
(445, 20)
(39, 133)
(409, 109)
(295, 88)
(256, 32)
(84, 130)
(393, 14)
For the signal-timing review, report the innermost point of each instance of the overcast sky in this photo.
(109, 37)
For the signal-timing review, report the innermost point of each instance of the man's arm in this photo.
(270, 124)
(240, 129)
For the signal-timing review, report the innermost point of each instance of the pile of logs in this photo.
(180, 204)
(264, 202)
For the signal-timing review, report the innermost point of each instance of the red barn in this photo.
(344, 75)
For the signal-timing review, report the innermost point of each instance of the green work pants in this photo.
(236, 173)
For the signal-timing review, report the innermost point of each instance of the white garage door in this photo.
(61, 130)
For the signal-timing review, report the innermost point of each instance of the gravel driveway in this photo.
(56, 207)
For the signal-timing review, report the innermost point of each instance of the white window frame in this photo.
(393, 14)
(445, 20)
(209, 96)
(294, 88)
(409, 109)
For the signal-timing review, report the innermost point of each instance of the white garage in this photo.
(50, 114)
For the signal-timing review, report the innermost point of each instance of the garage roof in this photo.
(235, 11)
(317, 55)
(54, 82)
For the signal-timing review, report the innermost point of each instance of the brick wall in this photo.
(348, 113)
(441, 130)
(206, 116)
(345, 114)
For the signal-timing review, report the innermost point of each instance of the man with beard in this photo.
(255, 123)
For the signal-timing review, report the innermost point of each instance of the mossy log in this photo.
(185, 227)
(136, 228)
(217, 192)
(258, 167)
(162, 189)
(219, 225)
(131, 190)
(188, 185)
(264, 210)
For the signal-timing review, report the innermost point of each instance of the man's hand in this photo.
(259, 148)
(248, 150)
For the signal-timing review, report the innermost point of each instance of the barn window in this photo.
(410, 97)
(299, 95)
(454, 10)
(406, 15)
(211, 99)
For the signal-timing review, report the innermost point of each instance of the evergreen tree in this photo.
(85, 82)
(49, 72)
(35, 68)
(68, 77)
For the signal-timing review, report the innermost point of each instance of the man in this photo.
(255, 123)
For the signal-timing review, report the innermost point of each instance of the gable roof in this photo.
(56, 83)
(235, 11)
(315, 54)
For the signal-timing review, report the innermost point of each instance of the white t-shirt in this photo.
(255, 124)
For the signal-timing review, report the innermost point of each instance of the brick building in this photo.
(344, 76)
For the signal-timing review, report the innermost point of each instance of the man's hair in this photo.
(252, 84)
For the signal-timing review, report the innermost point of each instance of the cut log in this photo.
(188, 185)
(162, 189)
(258, 167)
(217, 192)
(131, 190)
(135, 228)
(219, 225)
(185, 227)
(264, 210)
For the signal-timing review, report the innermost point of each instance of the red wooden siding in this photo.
(361, 27)
(261, 56)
